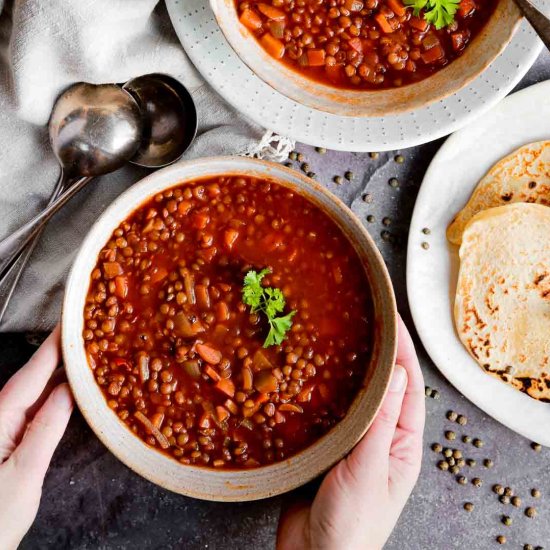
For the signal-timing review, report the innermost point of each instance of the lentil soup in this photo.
(360, 44)
(178, 355)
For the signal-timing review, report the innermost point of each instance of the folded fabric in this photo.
(45, 46)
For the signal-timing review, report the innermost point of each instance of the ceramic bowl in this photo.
(364, 103)
(200, 482)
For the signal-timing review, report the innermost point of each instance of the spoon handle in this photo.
(539, 21)
(9, 281)
(12, 245)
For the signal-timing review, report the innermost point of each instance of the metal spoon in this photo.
(539, 21)
(94, 129)
(169, 125)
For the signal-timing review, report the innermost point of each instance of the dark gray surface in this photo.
(92, 501)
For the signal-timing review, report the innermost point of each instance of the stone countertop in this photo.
(92, 501)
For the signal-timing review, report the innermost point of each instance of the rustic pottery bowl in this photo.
(200, 482)
(476, 58)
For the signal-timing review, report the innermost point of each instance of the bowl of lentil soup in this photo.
(365, 58)
(229, 329)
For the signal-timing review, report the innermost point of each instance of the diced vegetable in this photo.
(356, 44)
(192, 368)
(143, 366)
(202, 296)
(112, 269)
(290, 407)
(230, 237)
(316, 58)
(261, 360)
(150, 427)
(209, 354)
(265, 382)
(383, 23)
(187, 325)
(247, 379)
(271, 12)
(158, 275)
(277, 29)
(251, 20)
(433, 54)
(273, 46)
(222, 413)
(227, 386)
(121, 286)
(397, 7)
(213, 373)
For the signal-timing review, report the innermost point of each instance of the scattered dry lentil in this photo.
(530, 512)
(436, 447)
(516, 501)
(508, 491)
(311, 175)
(427, 389)
(454, 469)
(300, 157)
(442, 465)
(505, 499)
(305, 167)
(501, 539)
(451, 461)
(293, 155)
(537, 447)
(447, 452)
(425, 245)
(400, 159)
(457, 453)
(507, 520)
(468, 506)
(488, 463)
(477, 482)
(386, 235)
(288, 164)
(349, 175)
(527, 547)
(386, 221)
(394, 182)
(338, 179)
(435, 394)
(471, 462)
(321, 150)
(450, 435)
(367, 198)
(462, 480)
(461, 463)
(462, 420)
(426, 230)
(374, 155)
(535, 493)
(370, 219)
(466, 439)
(498, 489)
(452, 416)
(477, 443)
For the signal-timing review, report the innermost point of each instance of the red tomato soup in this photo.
(361, 44)
(180, 356)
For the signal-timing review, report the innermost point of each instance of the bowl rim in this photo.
(236, 485)
(349, 102)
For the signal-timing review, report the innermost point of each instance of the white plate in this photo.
(431, 274)
(232, 79)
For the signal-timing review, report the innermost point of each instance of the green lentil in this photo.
(400, 159)
(477, 482)
(349, 175)
(311, 175)
(501, 539)
(457, 453)
(507, 520)
(442, 465)
(537, 447)
(338, 180)
(450, 435)
(293, 155)
(435, 394)
(454, 469)
(461, 463)
(516, 501)
(508, 491)
(468, 506)
(462, 420)
(367, 198)
(505, 499)
(471, 462)
(394, 182)
(374, 155)
(447, 452)
(535, 493)
(451, 461)
(426, 230)
(539, 548)
(386, 235)
(427, 389)
(452, 416)
(498, 489)
(288, 164)
(530, 512)
(425, 245)
(305, 167)
(477, 443)
(462, 480)
(321, 150)
(488, 463)
(527, 547)
(300, 157)
(436, 447)
(386, 221)
(370, 219)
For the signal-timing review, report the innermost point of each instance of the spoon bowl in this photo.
(169, 119)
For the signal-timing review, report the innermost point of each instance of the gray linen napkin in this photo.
(46, 45)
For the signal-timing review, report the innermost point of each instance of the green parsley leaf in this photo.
(269, 301)
(440, 13)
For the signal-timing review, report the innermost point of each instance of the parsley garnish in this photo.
(270, 301)
(440, 13)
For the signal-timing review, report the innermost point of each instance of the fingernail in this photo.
(62, 397)
(399, 379)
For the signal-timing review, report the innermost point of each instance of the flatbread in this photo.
(502, 306)
(523, 176)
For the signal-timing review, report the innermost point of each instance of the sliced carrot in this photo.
(112, 269)
(265, 382)
(209, 354)
(200, 220)
(356, 43)
(305, 395)
(121, 286)
(418, 23)
(316, 57)
(213, 373)
(383, 23)
(433, 54)
(397, 7)
(159, 274)
(204, 421)
(222, 413)
(157, 419)
(227, 386)
(466, 7)
(272, 46)
(251, 20)
(150, 427)
(184, 207)
(272, 12)
(229, 238)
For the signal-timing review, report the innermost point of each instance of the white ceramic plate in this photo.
(205, 44)
(431, 274)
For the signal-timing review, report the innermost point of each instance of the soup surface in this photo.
(185, 362)
(361, 44)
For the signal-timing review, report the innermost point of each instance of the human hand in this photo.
(361, 498)
(34, 411)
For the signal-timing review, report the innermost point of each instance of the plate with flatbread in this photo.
(478, 262)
